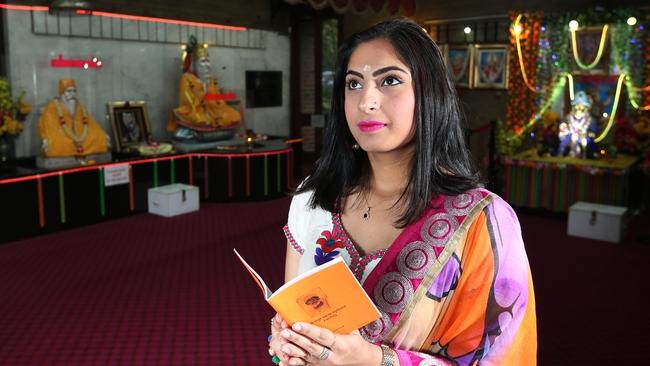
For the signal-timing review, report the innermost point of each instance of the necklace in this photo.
(366, 214)
(72, 134)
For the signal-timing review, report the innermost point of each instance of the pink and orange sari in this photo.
(454, 288)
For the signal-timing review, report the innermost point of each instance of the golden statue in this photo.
(201, 108)
(66, 127)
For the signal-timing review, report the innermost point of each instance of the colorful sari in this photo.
(453, 289)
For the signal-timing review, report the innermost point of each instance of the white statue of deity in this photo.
(573, 133)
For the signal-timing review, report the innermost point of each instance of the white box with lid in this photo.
(174, 199)
(597, 221)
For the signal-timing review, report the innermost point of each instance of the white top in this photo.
(319, 236)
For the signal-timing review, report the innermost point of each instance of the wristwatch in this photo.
(387, 356)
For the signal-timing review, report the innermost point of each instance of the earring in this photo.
(355, 146)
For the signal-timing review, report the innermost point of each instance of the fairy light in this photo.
(619, 84)
(570, 78)
(633, 95)
(573, 25)
(467, 30)
(574, 46)
(557, 91)
(517, 28)
(631, 21)
(639, 107)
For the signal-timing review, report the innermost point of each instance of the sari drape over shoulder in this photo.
(453, 289)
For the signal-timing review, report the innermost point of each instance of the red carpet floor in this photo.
(146, 290)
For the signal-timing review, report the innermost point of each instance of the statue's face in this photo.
(580, 109)
(203, 66)
(69, 94)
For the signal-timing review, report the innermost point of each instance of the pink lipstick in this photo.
(370, 126)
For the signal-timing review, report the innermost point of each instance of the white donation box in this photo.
(174, 199)
(596, 221)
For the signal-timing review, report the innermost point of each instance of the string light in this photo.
(574, 46)
(621, 78)
(517, 28)
(631, 21)
(467, 30)
(555, 94)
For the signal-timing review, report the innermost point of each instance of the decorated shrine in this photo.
(578, 117)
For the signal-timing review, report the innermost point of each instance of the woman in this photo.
(396, 196)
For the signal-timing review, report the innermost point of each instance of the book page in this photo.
(266, 291)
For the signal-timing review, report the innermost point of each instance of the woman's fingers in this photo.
(308, 345)
(293, 351)
(322, 336)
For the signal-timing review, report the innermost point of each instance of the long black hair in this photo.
(441, 163)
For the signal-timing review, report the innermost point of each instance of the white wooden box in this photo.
(596, 221)
(173, 199)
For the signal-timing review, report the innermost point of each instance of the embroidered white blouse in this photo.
(318, 235)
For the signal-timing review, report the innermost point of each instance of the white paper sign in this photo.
(116, 174)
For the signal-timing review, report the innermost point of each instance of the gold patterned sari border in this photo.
(460, 233)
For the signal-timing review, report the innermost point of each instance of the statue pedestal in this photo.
(43, 162)
(225, 145)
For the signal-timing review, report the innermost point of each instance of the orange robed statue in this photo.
(200, 112)
(66, 127)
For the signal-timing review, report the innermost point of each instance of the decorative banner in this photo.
(223, 96)
(92, 63)
(116, 174)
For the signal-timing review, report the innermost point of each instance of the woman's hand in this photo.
(308, 344)
(276, 343)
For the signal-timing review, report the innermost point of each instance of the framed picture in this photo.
(460, 62)
(587, 46)
(491, 66)
(130, 123)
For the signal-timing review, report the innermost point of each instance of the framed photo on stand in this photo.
(130, 122)
(460, 61)
(491, 66)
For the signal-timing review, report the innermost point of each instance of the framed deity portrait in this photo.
(460, 62)
(130, 123)
(491, 66)
(587, 42)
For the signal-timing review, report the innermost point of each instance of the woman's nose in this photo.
(369, 102)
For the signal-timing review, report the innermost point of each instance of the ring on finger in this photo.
(324, 354)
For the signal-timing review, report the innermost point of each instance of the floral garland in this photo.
(521, 99)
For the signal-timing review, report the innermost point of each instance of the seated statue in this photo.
(67, 129)
(574, 133)
(202, 112)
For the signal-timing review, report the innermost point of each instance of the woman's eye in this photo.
(389, 81)
(353, 84)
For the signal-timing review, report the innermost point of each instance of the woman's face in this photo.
(379, 98)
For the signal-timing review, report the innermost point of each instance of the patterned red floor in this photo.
(144, 290)
(153, 291)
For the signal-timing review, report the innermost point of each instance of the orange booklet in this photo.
(328, 296)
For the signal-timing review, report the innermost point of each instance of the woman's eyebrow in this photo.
(383, 70)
